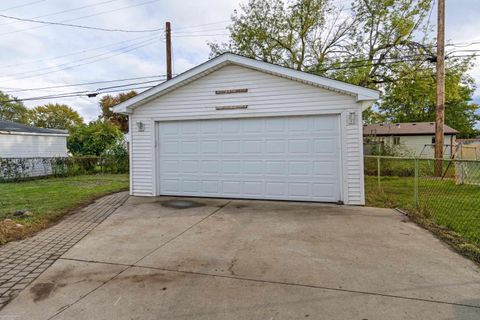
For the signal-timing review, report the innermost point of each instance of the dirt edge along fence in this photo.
(449, 202)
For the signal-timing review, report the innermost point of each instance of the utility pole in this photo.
(169, 50)
(440, 109)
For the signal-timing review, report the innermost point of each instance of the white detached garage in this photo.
(235, 127)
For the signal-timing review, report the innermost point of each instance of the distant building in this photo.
(22, 141)
(413, 138)
(27, 151)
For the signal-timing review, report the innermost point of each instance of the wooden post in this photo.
(169, 50)
(440, 109)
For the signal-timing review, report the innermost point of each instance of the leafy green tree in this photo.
(55, 116)
(356, 45)
(296, 34)
(13, 110)
(93, 138)
(386, 33)
(413, 97)
(106, 105)
(117, 155)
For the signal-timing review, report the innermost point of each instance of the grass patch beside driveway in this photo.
(49, 199)
(448, 210)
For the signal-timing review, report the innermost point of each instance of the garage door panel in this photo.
(299, 189)
(299, 125)
(323, 189)
(275, 125)
(231, 146)
(231, 167)
(324, 168)
(253, 146)
(275, 167)
(266, 158)
(275, 188)
(253, 188)
(275, 146)
(209, 147)
(253, 126)
(296, 168)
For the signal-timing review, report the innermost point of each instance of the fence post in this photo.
(378, 171)
(415, 184)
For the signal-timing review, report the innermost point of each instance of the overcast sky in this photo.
(36, 56)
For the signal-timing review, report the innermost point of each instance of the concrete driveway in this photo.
(223, 259)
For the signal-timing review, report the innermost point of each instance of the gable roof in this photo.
(404, 129)
(10, 127)
(360, 93)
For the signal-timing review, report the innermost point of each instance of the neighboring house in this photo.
(21, 141)
(414, 138)
(26, 151)
(235, 127)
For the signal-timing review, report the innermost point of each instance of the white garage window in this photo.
(289, 158)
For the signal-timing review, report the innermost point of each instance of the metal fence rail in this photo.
(450, 200)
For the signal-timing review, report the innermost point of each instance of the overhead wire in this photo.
(84, 17)
(147, 43)
(78, 25)
(135, 45)
(63, 11)
(23, 5)
(73, 53)
(100, 90)
(84, 93)
(83, 84)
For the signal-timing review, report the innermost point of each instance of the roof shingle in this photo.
(10, 126)
(404, 128)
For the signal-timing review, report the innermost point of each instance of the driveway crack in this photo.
(183, 232)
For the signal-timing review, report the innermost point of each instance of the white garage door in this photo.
(294, 158)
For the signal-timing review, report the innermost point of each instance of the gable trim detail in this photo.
(360, 93)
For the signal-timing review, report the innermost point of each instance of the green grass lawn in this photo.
(48, 199)
(456, 207)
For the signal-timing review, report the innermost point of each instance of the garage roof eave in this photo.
(362, 94)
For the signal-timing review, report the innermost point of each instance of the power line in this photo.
(202, 25)
(201, 35)
(463, 44)
(83, 83)
(128, 84)
(23, 5)
(64, 11)
(95, 91)
(89, 94)
(83, 17)
(90, 62)
(197, 31)
(79, 60)
(78, 26)
(99, 91)
(73, 53)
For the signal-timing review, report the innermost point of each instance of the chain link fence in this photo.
(448, 198)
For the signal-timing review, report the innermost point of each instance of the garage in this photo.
(291, 158)
(235, 127)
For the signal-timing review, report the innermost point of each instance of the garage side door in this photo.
(289, 158)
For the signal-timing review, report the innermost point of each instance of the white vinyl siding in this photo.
(32, 146)
(267, 95)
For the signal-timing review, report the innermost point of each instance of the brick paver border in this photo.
(23, 261)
